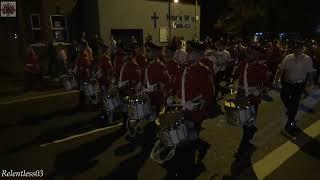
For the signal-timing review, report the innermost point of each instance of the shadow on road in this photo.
(307, 144)
(60, 133)
(241, 169)
(129, 168)
(75, 161)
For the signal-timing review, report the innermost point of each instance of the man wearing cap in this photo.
(296, 72)
(194, 81)
(119, 59)
(157, 79)
(140, 58)
(251, 75)
(130, 77)
(105, 65)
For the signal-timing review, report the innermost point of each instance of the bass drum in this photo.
(239, 113)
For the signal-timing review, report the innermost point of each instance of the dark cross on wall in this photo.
(154, 18)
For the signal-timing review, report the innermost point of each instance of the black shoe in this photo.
(203, 149)
(289, 133)
(249, 149)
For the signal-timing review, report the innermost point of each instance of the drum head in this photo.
(169, 120)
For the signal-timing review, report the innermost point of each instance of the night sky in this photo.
(275, 16)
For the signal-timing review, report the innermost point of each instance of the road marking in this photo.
(38, 97)
(273, 161)
(80, 135)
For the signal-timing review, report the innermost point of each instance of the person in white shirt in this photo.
(180, 55)
(295, 72)
(223, 57)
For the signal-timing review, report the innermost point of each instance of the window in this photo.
(59, 28)
(35, 27)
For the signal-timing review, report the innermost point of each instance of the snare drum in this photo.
(91, 92)
(239, 113)
(174, 130)
(111, 102)
(139, 107)
(69, 82)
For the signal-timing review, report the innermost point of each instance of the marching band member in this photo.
(172, 67)
(105, 65)
(130, 72)
(130, 80)
(119, 59)
(140, 58)
(83, 72)
(83, 64)
(156, 75)
(192, 82)
(195, 80)
(251, 75)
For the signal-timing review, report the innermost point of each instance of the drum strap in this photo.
(245, 80)
(147, 78)
(121, 73)
(157, 150)
(248, 90)
(183, 90)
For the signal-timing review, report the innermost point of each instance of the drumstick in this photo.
(197, 98)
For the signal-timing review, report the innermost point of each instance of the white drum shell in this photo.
(139, 111)
(241, 116)
(176, 136)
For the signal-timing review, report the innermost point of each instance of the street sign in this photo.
(8, 9)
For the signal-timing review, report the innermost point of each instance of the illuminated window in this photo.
(59, 28)
(35, 27)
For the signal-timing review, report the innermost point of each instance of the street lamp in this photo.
(169, 9)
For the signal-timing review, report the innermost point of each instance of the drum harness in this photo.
(158, 149)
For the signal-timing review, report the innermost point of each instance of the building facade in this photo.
(125, 18)
(36, 23)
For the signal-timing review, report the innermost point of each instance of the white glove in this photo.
(170, 100)
(188, 106)
(277, 85)
(139, 86)
(122, 84)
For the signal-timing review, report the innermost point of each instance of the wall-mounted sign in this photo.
(8, 9)
(181, 21)
(163, 35)
(181, 18)
(178, 25)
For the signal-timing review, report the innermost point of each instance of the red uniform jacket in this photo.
(118, 62)
(105, 65)
(157, 73)
(32, 64)
(130, 72)
(83, 64)
(198, 81)
(256, 77)
(208, 63)
(173, 69)
(142, 61)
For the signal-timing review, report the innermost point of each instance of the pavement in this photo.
(77, 145)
